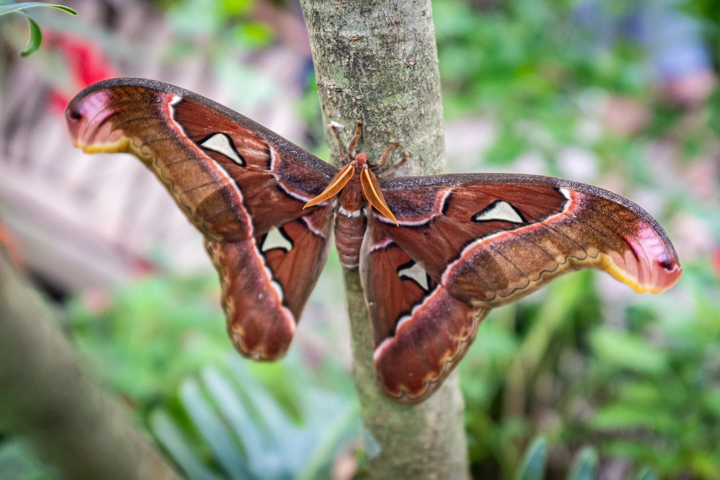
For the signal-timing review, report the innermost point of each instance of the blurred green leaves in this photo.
(248, 434)
(637, 381)
(533, 464)
(216, 24)
(161, 345)
(530, 68)
(623, 350)
(152, 334)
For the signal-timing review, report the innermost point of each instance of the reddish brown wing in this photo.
(487, 240)
(241, 185)
(266, 282)
(232, 177)
(420, 331)
(492, 238)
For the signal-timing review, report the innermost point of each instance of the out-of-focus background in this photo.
(618, 94)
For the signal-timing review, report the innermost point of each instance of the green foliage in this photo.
(236, 418)
(646, 391)
(585, 465)
(221, 24)
(623, 350)
(152, 335)
(706, 10)
(9, 6)
(18, 462)
(527, 65)
(669, 412)
(533, 464)
(246, 433)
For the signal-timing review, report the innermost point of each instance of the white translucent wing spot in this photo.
(498, 211)
(276, 239)
(416, 274)
(223, 145)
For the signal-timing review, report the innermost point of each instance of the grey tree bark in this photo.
(376, 61)
(46, 396)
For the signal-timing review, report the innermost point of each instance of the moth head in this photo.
(360, 159)
(358, 162)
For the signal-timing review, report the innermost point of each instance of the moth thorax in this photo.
(351, 198)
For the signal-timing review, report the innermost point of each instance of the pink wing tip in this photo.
(670, 272)
(89, 120)
(648, 266)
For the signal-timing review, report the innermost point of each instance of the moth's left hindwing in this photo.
(241, 185)
(288, 259)
(420, 331)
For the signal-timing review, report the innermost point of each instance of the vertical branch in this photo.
(376, 61)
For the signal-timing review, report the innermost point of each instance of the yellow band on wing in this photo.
(660, 284)
(122, 144)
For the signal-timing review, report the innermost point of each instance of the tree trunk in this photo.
(376, 61)
(46, 396)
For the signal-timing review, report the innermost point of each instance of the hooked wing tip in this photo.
(645, 275)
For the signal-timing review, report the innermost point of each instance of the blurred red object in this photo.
(86, 64)
(10, 243)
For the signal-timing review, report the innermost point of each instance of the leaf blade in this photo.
(17, 7)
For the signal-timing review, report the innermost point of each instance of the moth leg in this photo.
(336, 127)
(352, 145)
(392, 168)
(386, 156)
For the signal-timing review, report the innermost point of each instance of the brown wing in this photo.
(492, 238)
(420, 331)
(267, 280)
(232, 177)
(467, 243)
(241, 185)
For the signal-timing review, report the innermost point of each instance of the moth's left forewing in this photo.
(492, 238)
(275, 176)
(232, 177)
